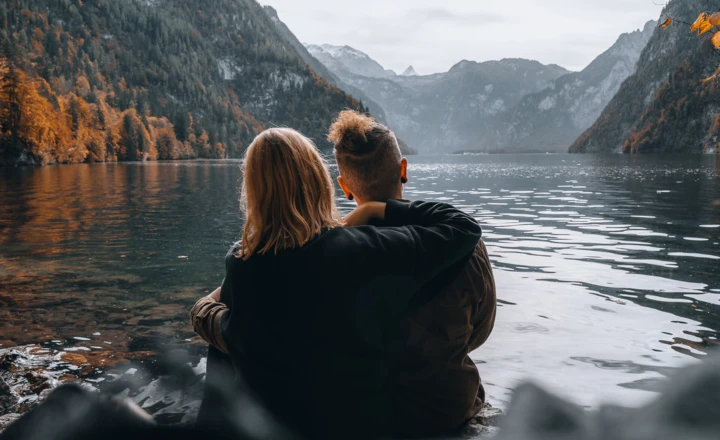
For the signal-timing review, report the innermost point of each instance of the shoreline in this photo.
(169, 387)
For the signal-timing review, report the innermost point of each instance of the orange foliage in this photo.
(716, 40)
(65, 128)
(700, 24)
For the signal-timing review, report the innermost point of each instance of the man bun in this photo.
(350, 132)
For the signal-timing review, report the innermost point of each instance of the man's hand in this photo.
(364, 213)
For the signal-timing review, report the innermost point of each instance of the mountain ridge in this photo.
(663, 106)
(375, 110)
(439, 112)
(128, 80)
(553, 118)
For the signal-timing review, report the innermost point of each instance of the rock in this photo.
(488, 415)
(7, 420)
(8, 398)
(33, 371)
(483, 425)
(688, 408)
(44, 394)
(74, 358)
(37, 382)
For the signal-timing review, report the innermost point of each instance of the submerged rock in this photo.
(171, 394)
(8, 419)
(29, 373)
(484, 424)
(8, 398)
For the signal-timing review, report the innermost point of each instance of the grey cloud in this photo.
(433, 35)
(452, 17)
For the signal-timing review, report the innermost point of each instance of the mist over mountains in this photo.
(554, 117)
(511, 104)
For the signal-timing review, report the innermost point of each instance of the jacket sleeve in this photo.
(206, 317)
(419, 240)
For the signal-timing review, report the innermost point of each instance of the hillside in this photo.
(128, 80)
(319, 68)
(554, 117)
(664, 106)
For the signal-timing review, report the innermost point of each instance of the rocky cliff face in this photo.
(554, 117)
(664, 106)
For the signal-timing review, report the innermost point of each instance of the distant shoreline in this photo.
(561, 150)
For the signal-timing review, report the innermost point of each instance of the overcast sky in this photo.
(433, 35)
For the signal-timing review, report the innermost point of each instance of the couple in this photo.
(349, 327)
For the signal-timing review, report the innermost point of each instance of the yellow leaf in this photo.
(716, 40)
(702, 18)
(704, 27)
(666, 24)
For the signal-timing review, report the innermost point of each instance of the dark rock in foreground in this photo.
(172, 394)
(688, 408)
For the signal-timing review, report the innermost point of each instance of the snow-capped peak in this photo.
(410, 71)
(340, 51)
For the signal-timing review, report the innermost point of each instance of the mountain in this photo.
(319, 68)
(375, 109)
(443, 112)
(554, 117)
(132, 80)
(349, 61)
(410, 71)
(440, 112)
(664, 106)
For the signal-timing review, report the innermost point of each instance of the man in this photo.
(435, 386)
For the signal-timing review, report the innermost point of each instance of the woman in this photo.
(307, 299)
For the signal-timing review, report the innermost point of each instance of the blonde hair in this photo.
(287, 193)
(367, 154)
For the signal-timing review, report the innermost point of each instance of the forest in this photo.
(142, 80)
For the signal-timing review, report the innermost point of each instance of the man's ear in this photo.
(345, 188)
(403, 170)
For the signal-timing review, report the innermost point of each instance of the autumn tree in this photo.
(32, 124)
(135, 141)
(202, 147)
(166, 142)
(10, 108)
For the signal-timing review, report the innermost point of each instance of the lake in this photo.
(607, 267)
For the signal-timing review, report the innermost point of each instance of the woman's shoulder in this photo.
(232, 258)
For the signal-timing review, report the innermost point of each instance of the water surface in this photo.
(607, 267)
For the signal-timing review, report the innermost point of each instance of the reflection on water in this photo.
(606, 266)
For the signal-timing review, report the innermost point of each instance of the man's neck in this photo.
(395, 197)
